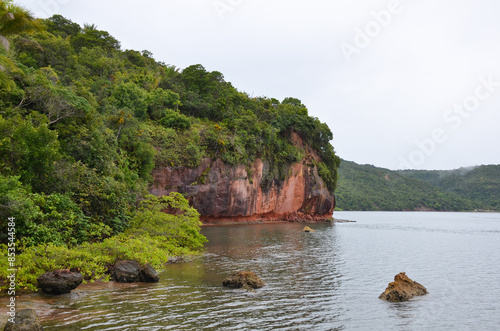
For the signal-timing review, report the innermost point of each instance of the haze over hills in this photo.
(366, 187)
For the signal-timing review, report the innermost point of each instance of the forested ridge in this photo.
(480, 184)
(366, 187)
(83, 124)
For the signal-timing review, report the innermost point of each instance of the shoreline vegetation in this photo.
(153, 237)
(83, 125)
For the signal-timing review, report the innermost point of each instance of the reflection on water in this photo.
(327, 280)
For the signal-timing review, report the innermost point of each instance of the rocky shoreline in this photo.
(208, 221)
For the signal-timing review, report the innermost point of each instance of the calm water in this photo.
(328, 280)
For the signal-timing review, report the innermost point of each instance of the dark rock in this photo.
(402, 289)
(126, 271)
(245, 279)
(25, 320)
(148, 274)
(59, 281)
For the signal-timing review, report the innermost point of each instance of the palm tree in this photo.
(14, 20)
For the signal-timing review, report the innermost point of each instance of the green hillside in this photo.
(83, 123)
(366, 187)
(480, 184)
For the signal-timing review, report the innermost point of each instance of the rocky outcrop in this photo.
(308, 229)
(25, 320)
(223, 193)
(127, 271)
(402, 289)
(243, 279)
(59, 281)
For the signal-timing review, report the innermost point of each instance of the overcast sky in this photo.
(401, 84)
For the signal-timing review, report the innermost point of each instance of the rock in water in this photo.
(127, 271)
(402, 289)
(245, 279)
(148, 274)
(25, 320)
(59, 281)
(308, 229)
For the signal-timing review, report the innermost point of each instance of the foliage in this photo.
(53, 218)
(180, 224)
(83, 125)
(365, 187)
(480, 184)
(14, 20)
(146, 241)
(29, 150)
(90, 37)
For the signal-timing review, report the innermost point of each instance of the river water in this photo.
(327, 280)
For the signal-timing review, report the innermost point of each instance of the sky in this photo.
(401, 84)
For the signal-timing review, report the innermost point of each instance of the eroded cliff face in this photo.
(227, 194)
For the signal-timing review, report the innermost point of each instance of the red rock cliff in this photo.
(223, 193)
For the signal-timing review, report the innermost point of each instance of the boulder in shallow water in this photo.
(25, 320)
(148, 274)
(59, 281)
(128, 271)
(245, 279)
(308, 229)
(402, 289)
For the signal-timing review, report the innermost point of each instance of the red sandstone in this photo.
(228, 194)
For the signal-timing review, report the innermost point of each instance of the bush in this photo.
(173, 119)
(44, 219)
(153, 237)
(181, 225)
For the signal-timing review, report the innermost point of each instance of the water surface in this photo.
(327, 280)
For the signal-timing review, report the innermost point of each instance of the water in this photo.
(327, 280)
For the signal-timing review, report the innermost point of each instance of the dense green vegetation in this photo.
(366, 187)
(480, 184)
(84, 123)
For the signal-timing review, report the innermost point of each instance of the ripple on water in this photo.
(327, 280)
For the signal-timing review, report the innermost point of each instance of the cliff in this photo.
(232, 194)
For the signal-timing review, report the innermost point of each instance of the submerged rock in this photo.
(128, 271)
(402, 289)
(25, 320)
(308, 229)
(245, 279)
(59, 281)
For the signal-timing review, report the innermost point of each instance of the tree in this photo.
(294, 102)
(91, 37)
(14, 20)
(29, 150)
(58, 25)
(45, 94)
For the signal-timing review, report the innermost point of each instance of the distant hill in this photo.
(479, 184)
(366, 187)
